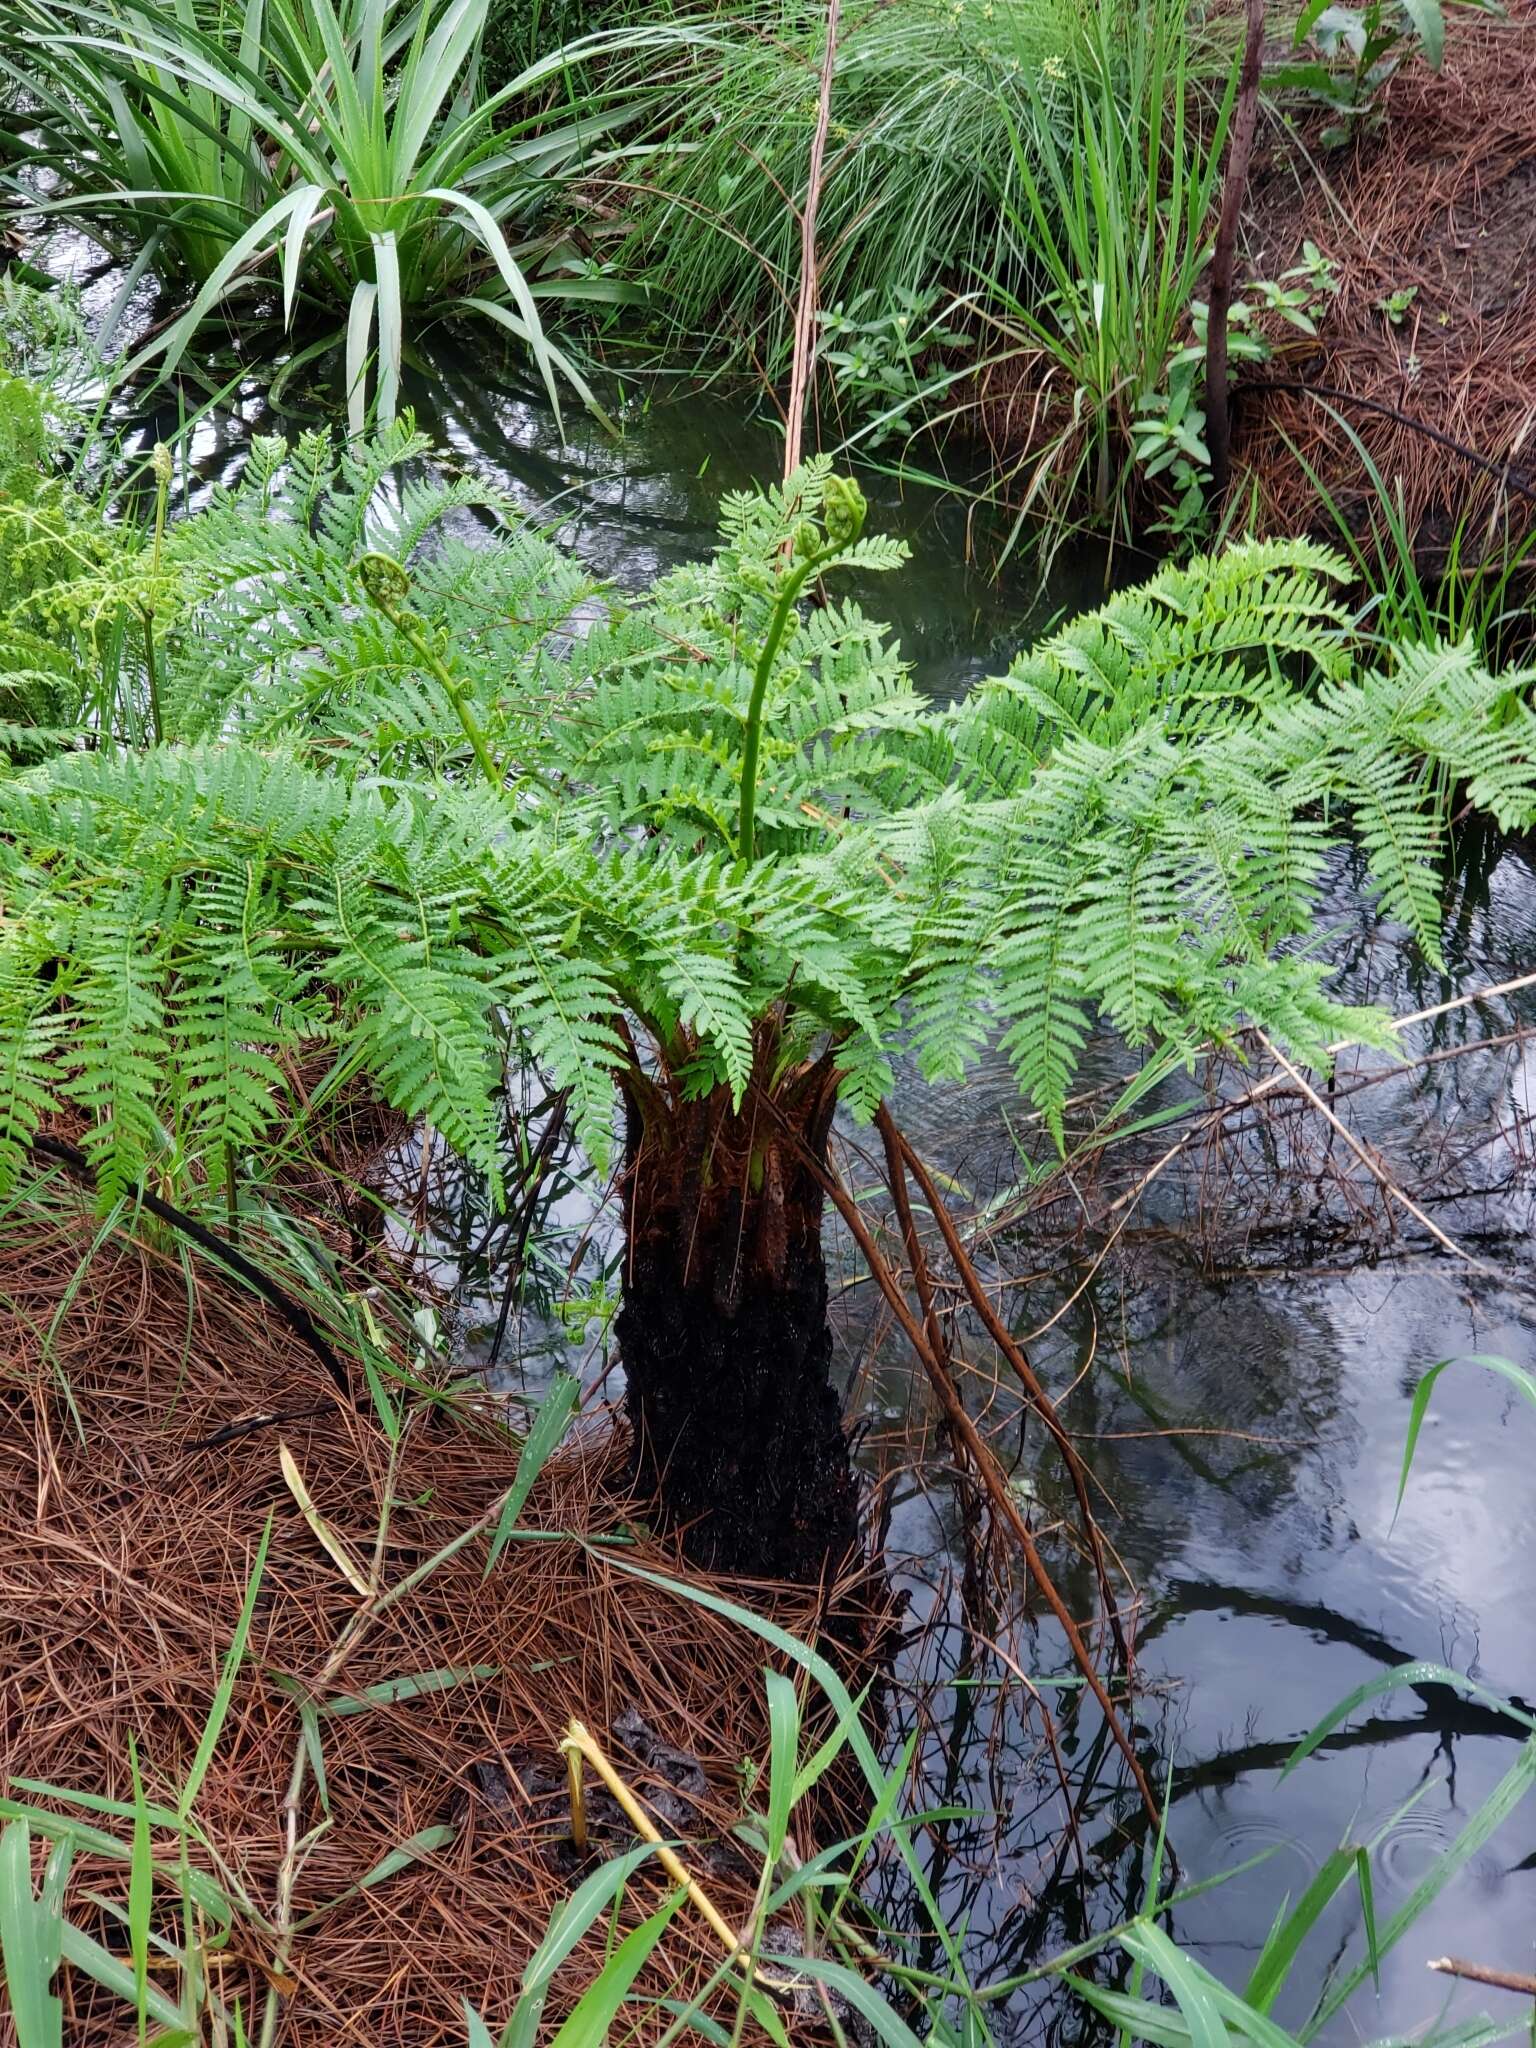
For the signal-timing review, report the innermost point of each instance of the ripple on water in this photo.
(1240, 1841)
(1413, 1848)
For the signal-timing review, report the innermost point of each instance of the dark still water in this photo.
(1240, 1364)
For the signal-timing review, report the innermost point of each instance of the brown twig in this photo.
(938, 1337)
(805, 307)
(898, 1147)
(1245, 121)
(1481, 1973)
(965, 1431)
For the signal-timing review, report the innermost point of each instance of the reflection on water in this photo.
(1247, 1428)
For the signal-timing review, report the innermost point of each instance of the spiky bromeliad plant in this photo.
(718, 857)
(337, 159)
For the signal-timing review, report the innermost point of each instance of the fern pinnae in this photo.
(1127, 830)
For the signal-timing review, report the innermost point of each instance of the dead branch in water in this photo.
(984, 1464)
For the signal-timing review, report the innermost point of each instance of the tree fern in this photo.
(1130, 827)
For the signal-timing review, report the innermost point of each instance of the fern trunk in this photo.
(738, 1434)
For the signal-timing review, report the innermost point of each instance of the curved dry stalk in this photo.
(1244, 126)
(805, 305)
(1003, 1503)
(899, 1152)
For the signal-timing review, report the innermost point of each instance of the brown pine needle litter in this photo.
(125, 1555)
(1429, 214)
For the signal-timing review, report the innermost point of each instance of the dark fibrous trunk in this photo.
(738, 1433)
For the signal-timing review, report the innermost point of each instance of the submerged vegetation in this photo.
(356, 839)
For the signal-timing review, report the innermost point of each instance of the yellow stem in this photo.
(578, 1742)
(578, 1794)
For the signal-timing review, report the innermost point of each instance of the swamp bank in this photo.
(764, 1256)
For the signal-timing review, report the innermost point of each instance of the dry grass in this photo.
(124, 1555)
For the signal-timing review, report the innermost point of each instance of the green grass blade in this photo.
(1511, 1789)
(858, 1736)
(96, 1802)
(1279, 1952)
(539, 1446)
(783, 1748)
(1522, 1381)
(425, 1842)
(207, 1895)
(141, 1888)
(495, 244)
(82, 1952)
(1149, 1945)
(213, 1727)
(430, 81)
(359, 330)
(1393, 1681)
(28, 1951)
(314, 1749)
(1138, 2019)
(490, 309)
(1368, 1910)
(170, 347)
(308, 202)
(568, 1924)
(391, 1691)
(595, 2011)
(386, 266)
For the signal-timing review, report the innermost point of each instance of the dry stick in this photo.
(922, 1281)
(1474, 995)
(981, 1456)
(805, 308)
(1480, 1973)
(1377, 1171)
(1329, 395)
(897, 1147)
(1268, 1087)
(1245, 122)
(579, 1745)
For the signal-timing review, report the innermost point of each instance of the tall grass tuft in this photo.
(918, 158)
(1476, 586)
(1116, 169)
